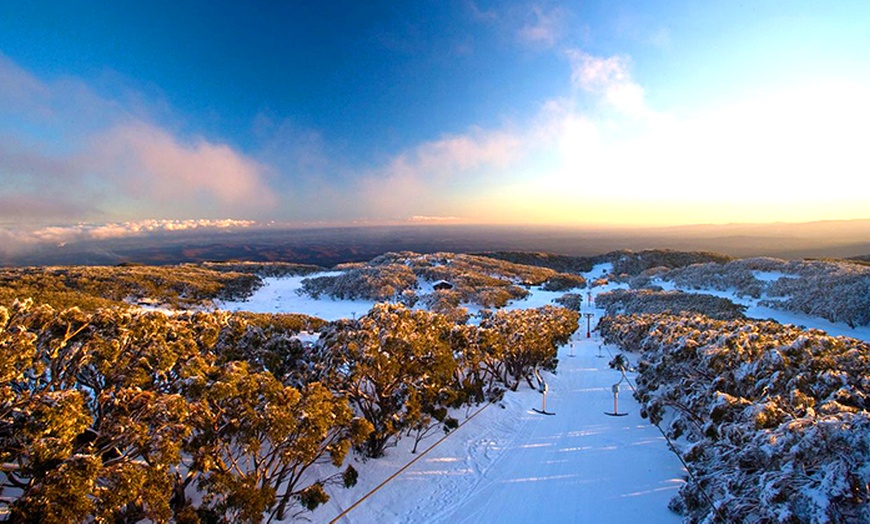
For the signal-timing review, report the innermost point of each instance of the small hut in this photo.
(442, 285)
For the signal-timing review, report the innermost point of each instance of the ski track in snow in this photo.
(514, 465)
(459, 484)
(511, 464)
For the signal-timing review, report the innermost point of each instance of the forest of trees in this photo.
(838, 291)
(122, 414)
(119, 415)
(112, 413)
(627, 302)
(631, 263)
(182, 286)
(110, 286)
(561, 263)
(487, 282)
(774, 417)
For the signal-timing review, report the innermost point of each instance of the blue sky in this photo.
(459, 111)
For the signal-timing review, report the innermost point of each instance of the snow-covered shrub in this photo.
(264, 269)
(377, 282)
(634, 263)
(564, 282)
(722, 277)
(390, 277)
(835, 291)
(561, 263)
(621, 301)
(117, 415)
(775, 417)
(572, 301)
(92, 287)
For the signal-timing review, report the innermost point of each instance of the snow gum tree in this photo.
(109, 416)
(528, 339)
(396, 366)
(255, 439)
(479, 367)
(76, 440)
(267, 343)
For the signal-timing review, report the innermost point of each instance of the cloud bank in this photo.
(19, 239)
(66, 151)
(148, 162)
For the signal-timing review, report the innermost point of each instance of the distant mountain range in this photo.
(328, 246)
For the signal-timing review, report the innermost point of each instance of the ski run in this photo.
(508, 462)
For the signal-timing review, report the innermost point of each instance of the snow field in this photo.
(511, 464)
(280, 295)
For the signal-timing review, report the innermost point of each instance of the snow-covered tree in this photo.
(528, 339)
(113, 415)
(621, 301)
(396, 366)
(254, 440)
(774, 418)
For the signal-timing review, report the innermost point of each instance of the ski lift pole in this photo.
(544, 400)
(615, 389)
(542, 387)
(588, 324)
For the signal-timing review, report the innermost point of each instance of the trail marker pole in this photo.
(571, 354)
(599, 352)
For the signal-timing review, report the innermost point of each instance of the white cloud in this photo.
(21, 239)
(482, 173)
(791, 155)
(65, 147)
(417, 182)
(433, 219)
(609, 78)
(85, 231)
(148, 162)
(545, 28)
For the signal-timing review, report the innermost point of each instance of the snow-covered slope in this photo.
(511, 464)
(757, 311)
(281, 295)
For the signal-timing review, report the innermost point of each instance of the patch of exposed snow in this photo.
(283, 295)
(771, 276)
